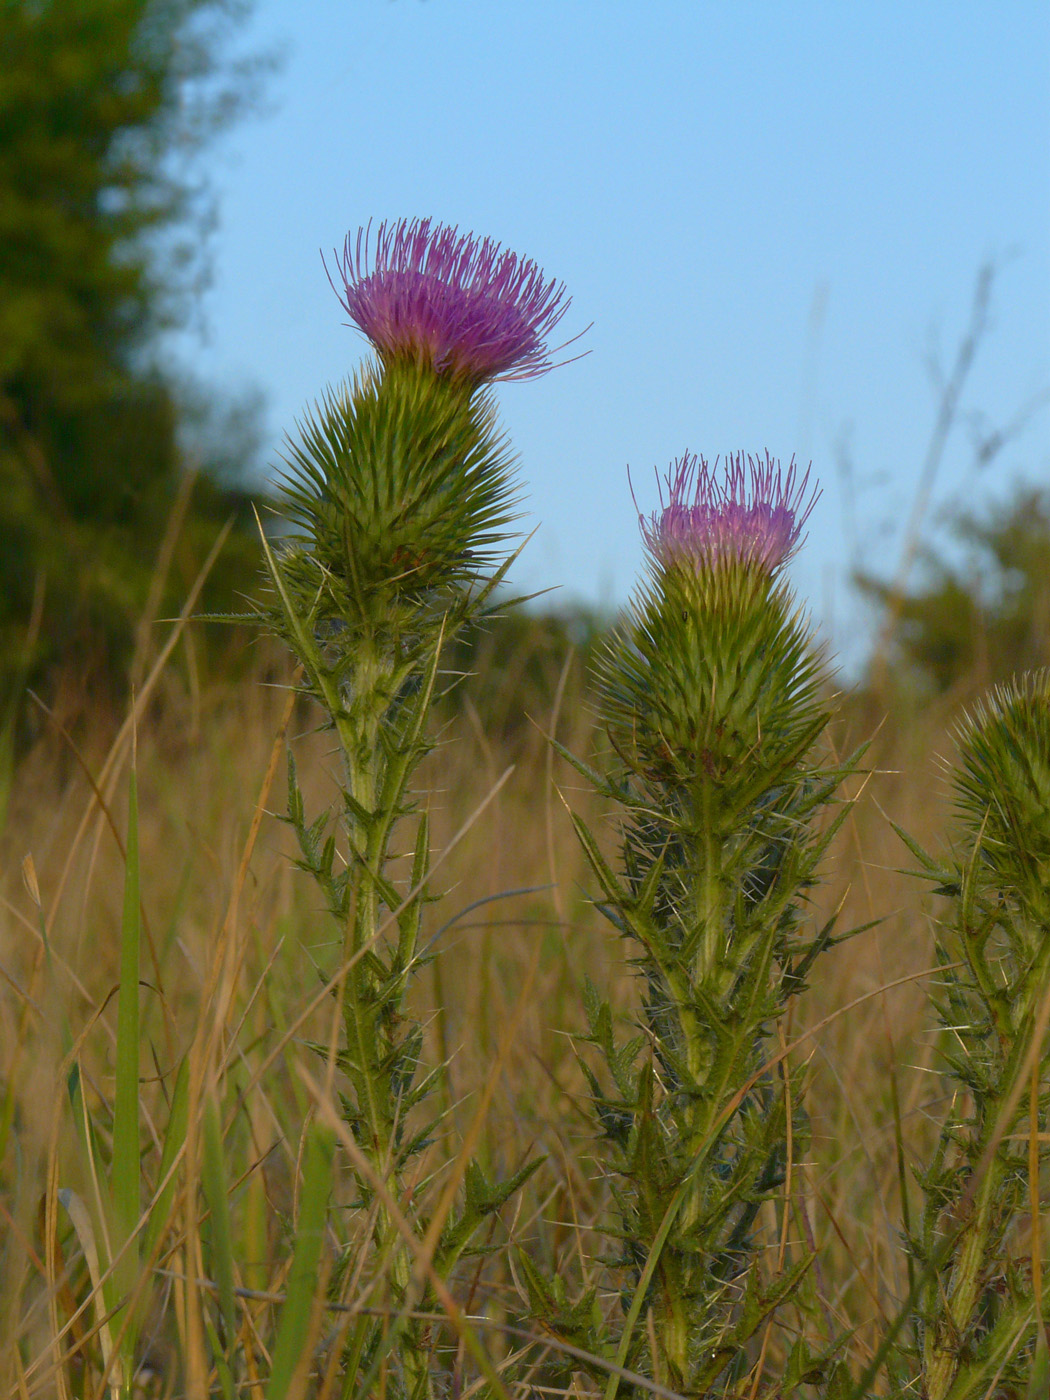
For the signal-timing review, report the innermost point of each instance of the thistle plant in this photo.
(711, 697)
(980, 1320)
(401, 493)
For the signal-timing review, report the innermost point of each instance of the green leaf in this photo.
(592, 1003)
(839, 1386)
(609, 883)
(929, 865)
(542, 1299)
(125, 1170)
(174, 1137)
(298, 629)
(500, 1192)
(293, 1325)
(595, 778)
(1039, 1385)
(126, 1155)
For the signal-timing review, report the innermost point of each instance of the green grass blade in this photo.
(125, 1183)
(126, 1168)
(1039, 1385)
(217, 1197)
(178, 1115)
(294, 1325)
(254, 1233)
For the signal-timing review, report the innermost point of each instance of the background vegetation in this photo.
(103, 223)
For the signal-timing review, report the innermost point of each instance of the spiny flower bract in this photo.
(463, 306)
(399, 484)
(753, 513)
(708, 676)
(1003, 785)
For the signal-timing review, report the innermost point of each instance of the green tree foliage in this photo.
(100, 101)
(982, 612)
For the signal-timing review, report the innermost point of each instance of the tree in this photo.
(97, 232)
(983, 614)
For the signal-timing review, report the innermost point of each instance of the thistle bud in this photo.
(714, 671)
(1003, 788)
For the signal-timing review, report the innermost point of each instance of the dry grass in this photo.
(514, 914)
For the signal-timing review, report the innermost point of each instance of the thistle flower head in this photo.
(1003, 786)
(464, 306)
(754, 512)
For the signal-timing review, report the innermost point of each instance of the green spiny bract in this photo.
(975, 1316)
(1003, 790)
(400, 490)
(710, 686)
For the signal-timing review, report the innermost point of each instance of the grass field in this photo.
(234, 959)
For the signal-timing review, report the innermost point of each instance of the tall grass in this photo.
(234, 959)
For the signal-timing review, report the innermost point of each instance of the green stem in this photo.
(364, 761)
(941, 1350)
(709, 888)
(698, 1112)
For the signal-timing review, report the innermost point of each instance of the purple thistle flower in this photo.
(462, 305)
(755, 513)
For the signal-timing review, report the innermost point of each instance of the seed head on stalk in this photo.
(463, 306)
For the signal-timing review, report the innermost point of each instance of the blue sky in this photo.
(771, 213)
